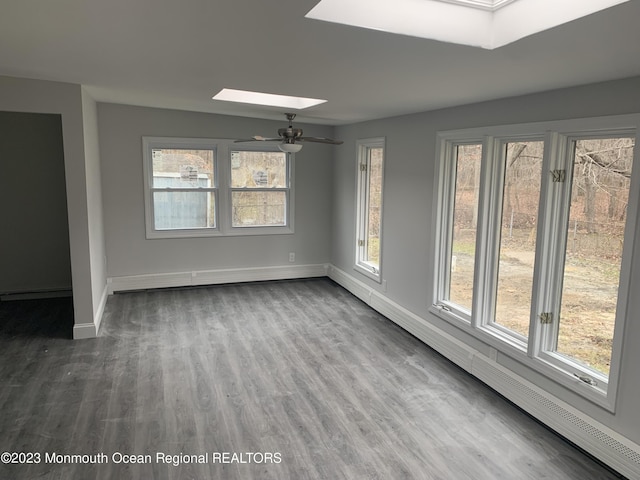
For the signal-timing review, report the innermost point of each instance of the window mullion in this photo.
(547, 270)
(446, 207)
(224, 188)
(553, 241)
(489, 210)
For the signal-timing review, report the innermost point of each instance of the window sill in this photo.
(368, 271)
(563, 377)
(209, 233)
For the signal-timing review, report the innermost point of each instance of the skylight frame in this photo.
(491, 5)
(487, 24)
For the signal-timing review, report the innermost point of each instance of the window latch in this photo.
(585, 379)
(559, 175)
(442, 306)
(546, 318)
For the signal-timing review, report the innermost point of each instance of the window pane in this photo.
(599, 195)
(374, 210)
(259, 170)
(465, 217)
(259, 209)
(187, 168)
(174, 210)
(520, 199)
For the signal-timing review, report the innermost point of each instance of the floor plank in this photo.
(301, 369)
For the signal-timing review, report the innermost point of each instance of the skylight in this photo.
(272, 100)
(480, 23)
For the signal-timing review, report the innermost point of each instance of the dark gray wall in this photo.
(34, 251)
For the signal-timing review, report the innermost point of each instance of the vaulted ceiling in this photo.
(171, 54)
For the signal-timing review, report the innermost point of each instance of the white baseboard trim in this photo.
(83, 331)
(213, 277)
(100, 310)
(614, 450)
(36, 294)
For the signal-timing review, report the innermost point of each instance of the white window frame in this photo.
(445, 190)
(223, 190)
(151, 143)
(489, 237)
(363, 168)
(536, 350)
(288, 190)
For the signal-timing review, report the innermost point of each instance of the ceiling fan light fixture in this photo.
(290, 147)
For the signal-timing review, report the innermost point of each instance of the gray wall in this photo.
(34, 244)
(97, 249)
(66, 100)
(408, 242)
(130, 253)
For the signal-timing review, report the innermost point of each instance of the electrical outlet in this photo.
(292, 257)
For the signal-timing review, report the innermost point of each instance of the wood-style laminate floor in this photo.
(299, 379)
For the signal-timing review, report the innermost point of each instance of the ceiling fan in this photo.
(290, 138)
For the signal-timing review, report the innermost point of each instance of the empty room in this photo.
(328, 239)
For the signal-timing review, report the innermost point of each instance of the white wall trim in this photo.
(36, 294)
(213, 277)
(82, 331)
(603, 443)
(101, 306)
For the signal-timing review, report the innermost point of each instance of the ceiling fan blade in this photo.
(258, 138)
(330, 141)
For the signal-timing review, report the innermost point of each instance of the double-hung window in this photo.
(534, 239)
(207, 187)
(370, 171)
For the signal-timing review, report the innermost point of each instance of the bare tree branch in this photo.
(595, 159)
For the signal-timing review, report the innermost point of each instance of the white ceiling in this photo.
(178, 54)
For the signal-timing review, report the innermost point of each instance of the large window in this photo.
(369, 206)
(202, 187)
(534, 232)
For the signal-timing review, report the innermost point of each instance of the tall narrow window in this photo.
(259, 188)
(594, 239)
(521, 194)
(465, 222)
(369, 211)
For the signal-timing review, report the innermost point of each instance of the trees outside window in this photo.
(534, 227)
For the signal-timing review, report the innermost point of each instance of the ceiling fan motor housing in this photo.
(290, 135)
